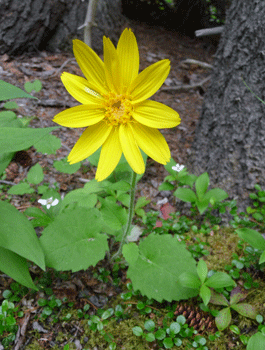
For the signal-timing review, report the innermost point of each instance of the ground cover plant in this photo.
(180, 281)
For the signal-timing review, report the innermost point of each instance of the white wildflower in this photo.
(48, 202)
(178, 167)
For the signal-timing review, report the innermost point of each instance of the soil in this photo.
(154, 44)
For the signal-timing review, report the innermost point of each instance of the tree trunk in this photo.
(31, 25)
(230, 136)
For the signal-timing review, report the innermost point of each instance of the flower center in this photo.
(118, 109)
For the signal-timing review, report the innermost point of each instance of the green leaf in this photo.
(262, 258)
(35, 174)
(257, 341)
(35, 85)
(169, 166)
(220, 280)
(245, 309)
(223, 319)
(113, 214)
(168, 343)
(149, 325)
(64, 167)
(218, 299)
(205, 294)
(73, 242)
(174, 328)
(106, 314)
(18, 139)
(217, 194)
(49, 144)
(18, 235)
(131, 252)
(21, 189)
(201, 185)
(16, 267)
(253, 237)
(150, 337)
(166, 186)
(202, 270)
(10, 105)
(161, 260)
(237, 296)
(5, 159)
(202, 205)
(137, 331)
(185, 194)
(9, 92)
(160, 334)
(189, 280)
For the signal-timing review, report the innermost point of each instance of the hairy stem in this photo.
(130, 217)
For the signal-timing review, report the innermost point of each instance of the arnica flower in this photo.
(115, 109)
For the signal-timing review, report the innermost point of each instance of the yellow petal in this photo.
(91, 139)
(109, 156)
(91, 65)
(79, 116)
(112, 65)
(156, 115)
(130, 149)
(152, 142)
(128, 54)
(149, 81)
(79, 88)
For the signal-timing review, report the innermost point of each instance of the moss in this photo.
(223, 245)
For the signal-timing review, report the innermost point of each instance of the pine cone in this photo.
(201, 321)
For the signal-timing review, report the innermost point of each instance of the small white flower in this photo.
(48, 202)
(178, 167)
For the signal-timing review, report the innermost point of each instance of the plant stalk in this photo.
(130, 217)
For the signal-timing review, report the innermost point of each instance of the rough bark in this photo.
(31, 25)
(230, 136)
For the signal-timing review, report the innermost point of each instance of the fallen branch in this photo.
(209, 31)
(21, 332)
(198, 63)
(185, 87)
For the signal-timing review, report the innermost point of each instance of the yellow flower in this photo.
(115, 108)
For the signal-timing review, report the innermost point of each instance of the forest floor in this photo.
(40, 331)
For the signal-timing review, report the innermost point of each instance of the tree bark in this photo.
(31, 25)
(230, 136)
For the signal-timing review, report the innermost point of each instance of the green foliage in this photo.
(64, 167)
(18, 242)
(35, 85)
(156, 264)
(9, 92)
(202, 284)
(201, 198)
(77, 245)
(8, 323)
(253, 238)
(224, 317)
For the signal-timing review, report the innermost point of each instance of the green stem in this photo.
(130, 217)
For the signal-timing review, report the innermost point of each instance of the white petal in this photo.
(178, 167)
(48, 206)
(43, 201)
(55, 202)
